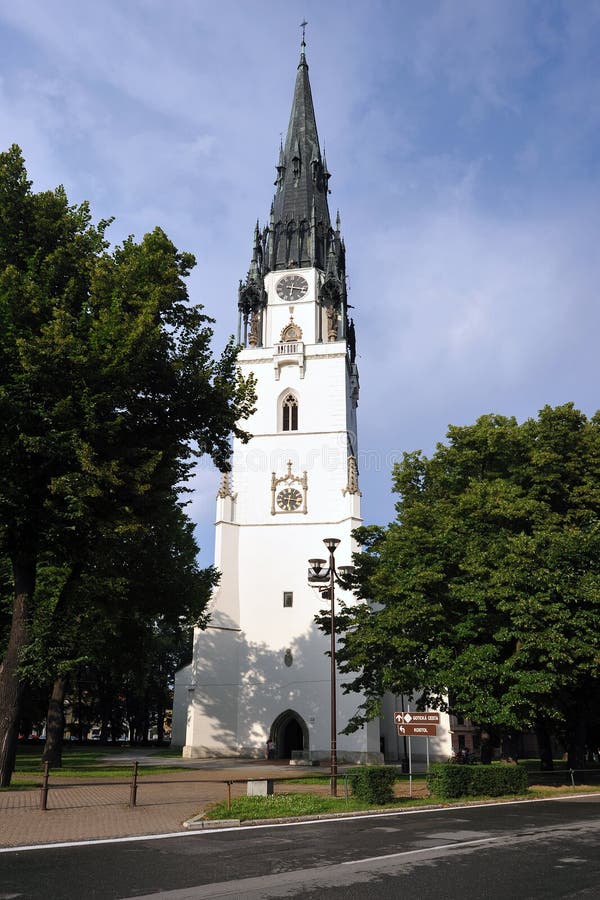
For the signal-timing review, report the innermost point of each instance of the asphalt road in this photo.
(547, 849)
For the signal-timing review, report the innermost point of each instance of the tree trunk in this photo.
(55, 724)
(25, 725)
(11, 688)
(544, 747)
(160, 722)
(576, 735)
(510, 747)
(79, 706)
(146, 719)
(487, 751)
(106, 701)
(116, 727)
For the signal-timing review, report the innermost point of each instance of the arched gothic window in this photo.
(289, 409)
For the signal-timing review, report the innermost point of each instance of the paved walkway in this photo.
(80, 810)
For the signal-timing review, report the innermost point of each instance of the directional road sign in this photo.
(417, 730)
(417, 718)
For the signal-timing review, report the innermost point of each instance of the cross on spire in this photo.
(303, 27)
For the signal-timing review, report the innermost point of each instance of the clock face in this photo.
(289, 499)
(292, 287)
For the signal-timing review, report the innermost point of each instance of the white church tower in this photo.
(260, 670)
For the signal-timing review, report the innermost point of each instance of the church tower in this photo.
(260, 670)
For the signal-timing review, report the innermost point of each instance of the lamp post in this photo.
(319, 573)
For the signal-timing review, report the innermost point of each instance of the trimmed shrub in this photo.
(449, 780)
(373, 784)
(494, 781)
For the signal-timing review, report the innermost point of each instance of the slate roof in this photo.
(299, 233)
(301, 195)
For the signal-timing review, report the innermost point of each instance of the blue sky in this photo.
(463, 139)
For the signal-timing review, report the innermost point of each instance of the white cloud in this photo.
(478, 47)
(463, 142)
(471, 312)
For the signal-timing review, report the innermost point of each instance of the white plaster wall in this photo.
(280, 554)
(239, 679)
(278, 311)
(308, 694)
(323, 408)
(319, 447)
(213, 694)
(271, 559)
(180, 706)
(225, 606)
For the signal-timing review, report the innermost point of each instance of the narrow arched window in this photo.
(290, 413)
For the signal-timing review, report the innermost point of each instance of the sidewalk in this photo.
(79, 810)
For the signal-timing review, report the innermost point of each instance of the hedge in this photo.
(450, 780)
(373, 784)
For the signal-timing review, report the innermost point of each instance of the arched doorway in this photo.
(291, 739)
(289, 733)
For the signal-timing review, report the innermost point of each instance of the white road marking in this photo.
(386, 815)
(451, 846)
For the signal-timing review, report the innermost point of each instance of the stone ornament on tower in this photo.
(285, 496)
(352, 485)
(225, 487)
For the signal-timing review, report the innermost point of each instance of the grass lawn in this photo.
(18, 785)
(306, 804)
(542, 790)
(77, 762)
(286, 805)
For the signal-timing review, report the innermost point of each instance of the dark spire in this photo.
(299, 233)
(300, 210)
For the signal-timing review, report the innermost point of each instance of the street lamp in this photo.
(319, 573)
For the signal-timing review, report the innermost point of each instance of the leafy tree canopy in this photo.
(485, 591)
(108, 390)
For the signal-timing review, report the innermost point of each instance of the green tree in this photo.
(108, 391)
(121, 621)
(486, 588)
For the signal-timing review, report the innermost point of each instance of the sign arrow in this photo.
(408, 718)
(427, 730)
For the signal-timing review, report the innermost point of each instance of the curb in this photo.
(199, 823)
